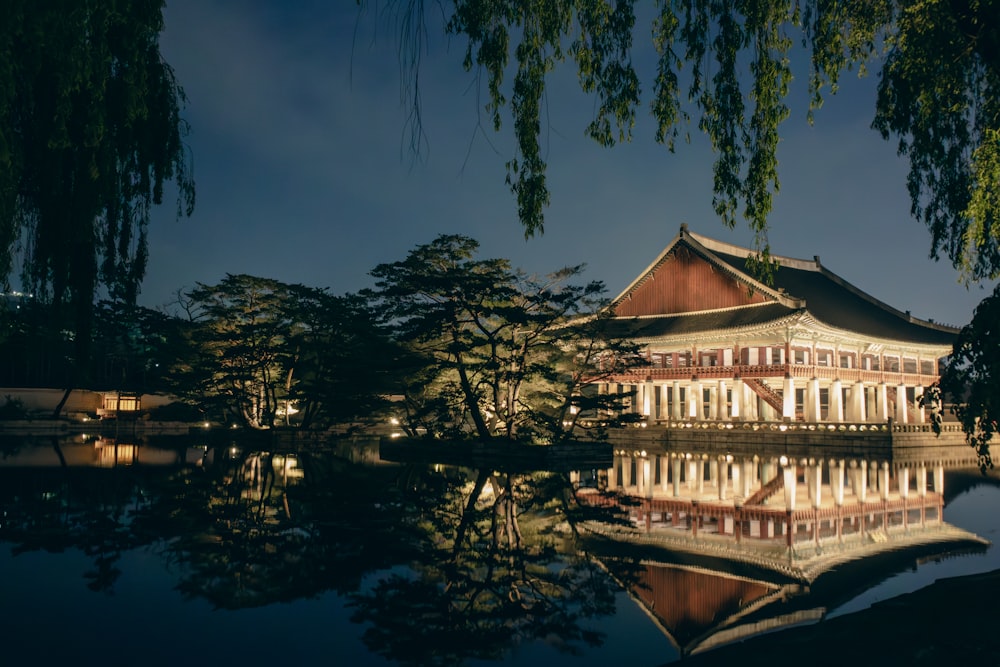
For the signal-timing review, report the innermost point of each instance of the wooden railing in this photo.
(847, 375)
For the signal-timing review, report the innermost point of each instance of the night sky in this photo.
(304, 171)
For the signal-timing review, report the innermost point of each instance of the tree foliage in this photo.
(90, 135)
(263, 350)
(727, 65)
(506, 355)
(972, 375)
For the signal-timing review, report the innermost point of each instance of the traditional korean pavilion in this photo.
(811, 347)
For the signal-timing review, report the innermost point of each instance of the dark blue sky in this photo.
(304, 173)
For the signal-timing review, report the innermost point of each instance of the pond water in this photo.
(176, 551)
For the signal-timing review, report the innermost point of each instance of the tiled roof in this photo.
(687, 323)
(835, 303)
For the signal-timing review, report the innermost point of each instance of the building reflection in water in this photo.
(733, 546)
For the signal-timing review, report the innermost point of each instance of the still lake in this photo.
(180, 551)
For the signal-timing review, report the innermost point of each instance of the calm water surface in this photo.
(177, 552)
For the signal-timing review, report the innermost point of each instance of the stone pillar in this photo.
(613, 480)
(901, 411)
(675, 403)
(723, 479)
(883, 481)
(862, 490)
(713, 403)
(939, 479)
(737, 482)
(812, 407)
(767, 472)
(664, 473)
(836, 412)
(788, 406)
(747, 477)
(837, 481)
(920, 413)
(739, 401)
(922, 481)
(817, 482)
(647, 477)
(722, 409)
(881, 403)
(692, 474)
(695, 401)
(858, 403)
(791, 481)
(903, 481)
(675, 465)
(701, 476)
(664, 402)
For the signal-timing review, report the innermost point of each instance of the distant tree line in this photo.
(452, 345)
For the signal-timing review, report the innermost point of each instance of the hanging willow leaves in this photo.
(727, 65)
(90, 133)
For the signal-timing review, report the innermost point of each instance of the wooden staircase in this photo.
(766, 491)
(770, 396)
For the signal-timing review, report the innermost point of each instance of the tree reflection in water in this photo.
(439, 564)
(497, 568)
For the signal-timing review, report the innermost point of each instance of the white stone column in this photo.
(812, 406)
(870, 411)
(901, 411)
(739, 401)
(695, 401)
(747, 477)
(791, 482)
(836, 412)
(613, 481)
(903, 480)
(767, 472)
(922, 481)
(692, 474)
(939, 479)
(664, 401)
(817, 482)
(858, 403)
(862, 490)
(881, 403)
(737, 481)
(883, 481)
(713, 402)
(837, 481)
(723, 479)
(648, 399)
(701, 476)
(676, 412)
(647, 477)
(859, 480)
(722, 407)
(788, 406)
(675, 465)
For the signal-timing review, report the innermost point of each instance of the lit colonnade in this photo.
(721, 345)
(777, 496)
(670, 390)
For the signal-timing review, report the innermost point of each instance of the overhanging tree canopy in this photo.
(727, 66)
(90, 133)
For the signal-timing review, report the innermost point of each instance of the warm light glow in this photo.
(783, 460)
